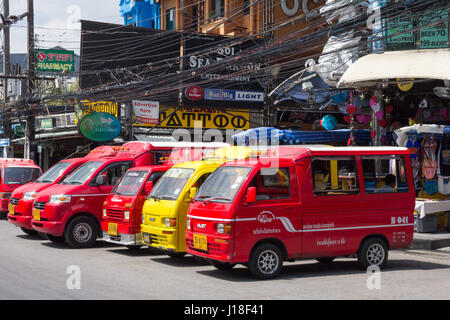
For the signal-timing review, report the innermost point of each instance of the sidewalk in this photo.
(430, 241)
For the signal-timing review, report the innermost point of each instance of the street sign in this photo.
(4, 142)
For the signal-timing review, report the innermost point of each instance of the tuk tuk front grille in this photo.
(158, 239)
(114, 214)
(40, 205)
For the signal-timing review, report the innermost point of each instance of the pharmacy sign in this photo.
(55, 60)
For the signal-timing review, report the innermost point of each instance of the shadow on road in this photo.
(30, 237)
(65, 246)
(316, 269)
(143, 252)
(186, 261)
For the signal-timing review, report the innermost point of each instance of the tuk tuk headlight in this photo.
(170, 222)
(126, 215)
(224, 228)
(188, 224)
(143, 218)
(29, 196)
(60, 198)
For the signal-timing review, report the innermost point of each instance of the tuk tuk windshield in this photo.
(171, 184)
(20, 175)
(223, 184)
(54, 172)
(82, 174)
(130, 184)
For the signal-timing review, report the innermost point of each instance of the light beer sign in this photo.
(55, 60)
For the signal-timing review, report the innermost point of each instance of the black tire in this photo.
(81, 232)
(28, 231)
(266, 261)
(55, 239)
(325, 260)
(222, 265)
(176, 255)
(373, 252)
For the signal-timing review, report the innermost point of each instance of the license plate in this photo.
(112, 229)
(200, 242)
(146, 237)
(11, 209)
(36, 214)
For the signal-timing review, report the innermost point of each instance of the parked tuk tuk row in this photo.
(228, 205)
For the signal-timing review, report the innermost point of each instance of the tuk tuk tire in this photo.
(28, 231)
(55, 239)
(76, 230)
(373, 252)
(267, 256)
(225, 266)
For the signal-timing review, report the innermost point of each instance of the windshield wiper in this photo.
(215, 198)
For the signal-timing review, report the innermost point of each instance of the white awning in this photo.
(412, 64)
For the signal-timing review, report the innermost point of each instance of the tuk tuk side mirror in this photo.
(100, 180)
(148, 187)
(192, 193)
(251, 195)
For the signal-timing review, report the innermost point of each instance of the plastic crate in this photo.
(427, 224)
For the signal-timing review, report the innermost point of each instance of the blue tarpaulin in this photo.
(267, 135)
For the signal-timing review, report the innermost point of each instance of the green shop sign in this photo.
(55, 60)
(100, 126)
(435, 36)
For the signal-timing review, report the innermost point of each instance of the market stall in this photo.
(430, 156)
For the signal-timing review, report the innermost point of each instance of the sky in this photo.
(56, 21)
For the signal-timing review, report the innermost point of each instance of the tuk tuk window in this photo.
(272, 183)
(334, 176)
(384, 174)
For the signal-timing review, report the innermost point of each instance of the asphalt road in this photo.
(32, 268)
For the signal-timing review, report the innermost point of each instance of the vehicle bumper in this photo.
(220, 249)
(20, 221)
(161, 238)
(53, 228)
(22, 214)
(123, 239)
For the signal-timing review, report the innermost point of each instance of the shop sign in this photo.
(397, 31)
(292, 11)
(234, 95)
(100, 127)
(405, 85)
(88, 107)
(435, 36)
(194, 93)
(55, 60)
(145, 112)
(18, 129)
(47, 123)
(4, 142)
(207, 118)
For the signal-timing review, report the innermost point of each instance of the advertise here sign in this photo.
(145, 112)
(206, 118)
(88, 107)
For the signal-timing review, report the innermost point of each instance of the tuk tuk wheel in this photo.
(265, 261)
(373, 252)
(81, 232)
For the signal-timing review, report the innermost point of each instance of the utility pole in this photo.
(30, 127)
(6, 72)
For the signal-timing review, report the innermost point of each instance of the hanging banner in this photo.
(208, 118)
(145, 112)
(88, 107)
